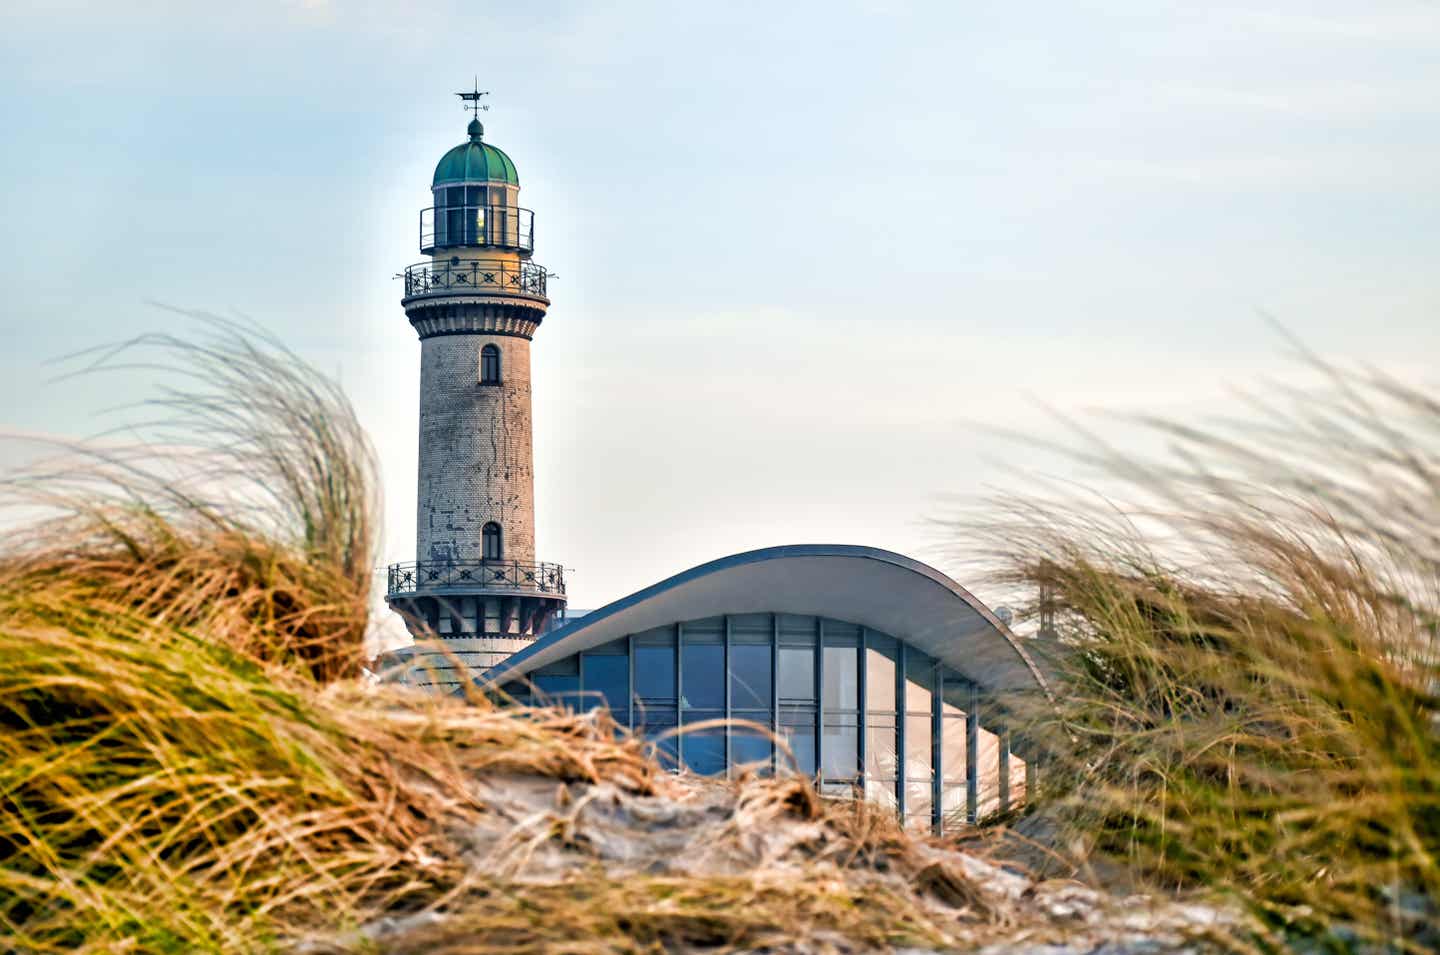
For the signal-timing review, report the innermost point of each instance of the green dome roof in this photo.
(474, 160)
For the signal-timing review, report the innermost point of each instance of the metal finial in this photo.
(472, 99)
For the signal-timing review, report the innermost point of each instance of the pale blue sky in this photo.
(800, 246)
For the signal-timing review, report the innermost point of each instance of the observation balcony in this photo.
(494, 276)
(475, 577)
(503, 227)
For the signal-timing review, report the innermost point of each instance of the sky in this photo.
(811, 256)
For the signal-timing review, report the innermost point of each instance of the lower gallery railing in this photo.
(475, 575)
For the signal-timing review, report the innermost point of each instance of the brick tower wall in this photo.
(475, 449)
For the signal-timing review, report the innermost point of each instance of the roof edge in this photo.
(500, 671)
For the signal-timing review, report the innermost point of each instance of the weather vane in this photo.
(472, 99)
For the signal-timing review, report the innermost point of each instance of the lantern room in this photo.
(476, 190)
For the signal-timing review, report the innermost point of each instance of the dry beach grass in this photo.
(189, 760)
(1249, 698)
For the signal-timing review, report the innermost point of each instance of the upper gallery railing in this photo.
(507, 227)
(480, 275)
(477, 575)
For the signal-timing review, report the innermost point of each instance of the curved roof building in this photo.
(876, 672)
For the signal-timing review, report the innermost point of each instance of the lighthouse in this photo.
(475, 592)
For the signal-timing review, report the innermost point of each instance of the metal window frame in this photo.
(864, 701)
(937, 746)
(729, 762)
(819, 669)
(775, 693)
(972, 755)
(900, 726)
(630, 704)
(679, 698)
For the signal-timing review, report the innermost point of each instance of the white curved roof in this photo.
(884, 591)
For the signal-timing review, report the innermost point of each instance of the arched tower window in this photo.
(489, 365)
(490, 541)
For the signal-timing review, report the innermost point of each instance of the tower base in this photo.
(459, 636)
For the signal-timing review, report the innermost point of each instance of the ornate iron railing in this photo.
(481, 275)
(508, 227)
(478, 575)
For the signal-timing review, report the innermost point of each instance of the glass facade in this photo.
(857, 709)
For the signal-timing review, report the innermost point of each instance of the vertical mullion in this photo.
(775, 692)
(972, 755)
(819, 699)
(679, 699)
(630, 701)
(727, 696)
(864, 705)
(936, 746)
(901, 769)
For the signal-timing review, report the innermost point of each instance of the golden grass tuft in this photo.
(1249, 696)
(185, 760)
(241, 500)
(162, 790)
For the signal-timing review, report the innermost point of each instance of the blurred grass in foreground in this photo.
(189, 762)
(1250, 701)
(185, 760)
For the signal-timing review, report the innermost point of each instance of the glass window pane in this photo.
(607, 682)
(840, 749)
(557, 689)
(880, 749)
(797, 630)
(954, 809)
(567, 666)
(1017, 781)
(881, 792)
(654, 672)
(842, 678)
(653, 712)
(655, 726)
(517, 692)
(704, 750)
(801, 741)
(955, 694)
(702, 679)
(749, 746)
(919, 680)
(987, 764)
(751, 628)
(952, 750)
(797, 673)
(918, 804)
(917, 748)
(750, 685)
(880, 679)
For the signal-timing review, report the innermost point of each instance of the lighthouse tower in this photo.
(475, 592)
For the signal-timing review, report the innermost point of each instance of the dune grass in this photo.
(1249, 697)
(186, 760)
(189, 762)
